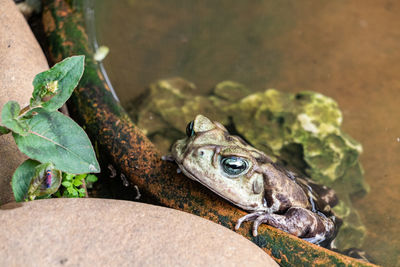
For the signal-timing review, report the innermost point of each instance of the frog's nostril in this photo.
(201, 153)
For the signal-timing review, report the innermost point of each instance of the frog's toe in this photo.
(255, 231)
(249, 217)
(260, 219)
(239, 222)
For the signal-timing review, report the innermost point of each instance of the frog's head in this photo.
(222, 162)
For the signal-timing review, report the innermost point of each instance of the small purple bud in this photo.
(48, 178)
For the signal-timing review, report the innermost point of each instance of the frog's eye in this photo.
(189, 129)
(234, 166)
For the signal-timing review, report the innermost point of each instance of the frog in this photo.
(271, 193)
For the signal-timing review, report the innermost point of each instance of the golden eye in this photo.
(234, 166)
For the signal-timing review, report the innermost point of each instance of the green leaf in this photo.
(72, 191)
(4, 130)
(77, 182)
(81, 176)
(66, 184)
(82, 191)
(68, 176)
(56, 138)
(44, 197)
(39, 186)
(10, 110)
(57, 83)
(91, 178)
(9, 118)
(22, 178)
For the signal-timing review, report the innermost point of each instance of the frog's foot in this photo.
(263, 218)
(297, 221)
(250, 217)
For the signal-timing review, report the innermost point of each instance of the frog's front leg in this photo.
(297, 221)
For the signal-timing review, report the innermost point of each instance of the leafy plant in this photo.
(58, 147)
(73, 185)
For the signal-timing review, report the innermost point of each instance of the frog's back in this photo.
(319, 198)
(281, 191)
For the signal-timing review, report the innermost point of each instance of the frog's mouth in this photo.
(188, 173)
(194, 178)
(230, 200)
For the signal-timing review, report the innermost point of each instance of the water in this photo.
(348, 50)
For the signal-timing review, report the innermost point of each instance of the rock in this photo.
(307, 119)
(230, 90)
(21, 58)
(167, 106)
(113, 232)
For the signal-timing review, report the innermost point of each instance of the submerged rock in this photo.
(165, 109)
(302, 130)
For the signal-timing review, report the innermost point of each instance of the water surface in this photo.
(348, 50)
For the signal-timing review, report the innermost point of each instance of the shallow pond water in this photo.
(348, 50)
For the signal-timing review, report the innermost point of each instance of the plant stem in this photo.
(84, 187)
(24, 110)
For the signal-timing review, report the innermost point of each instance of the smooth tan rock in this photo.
(21, 58)
(99, 232)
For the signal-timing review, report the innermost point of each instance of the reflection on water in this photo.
(345, 50)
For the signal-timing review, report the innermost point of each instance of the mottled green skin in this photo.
(129, 150)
